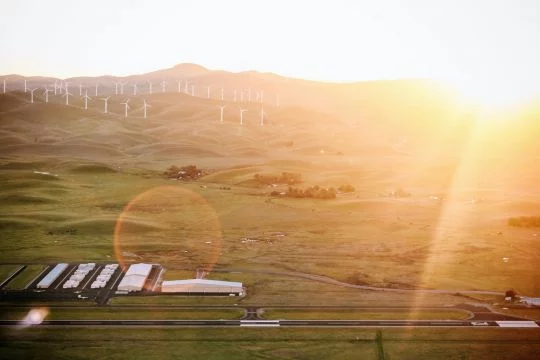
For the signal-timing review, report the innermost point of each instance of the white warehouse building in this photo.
(135, 277)
(202, 286)
(52, 276)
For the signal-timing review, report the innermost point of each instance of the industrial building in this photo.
(203, 287)
(104, 276)
(47, 281)
(135, 277)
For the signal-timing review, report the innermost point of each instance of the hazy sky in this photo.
(494, 43)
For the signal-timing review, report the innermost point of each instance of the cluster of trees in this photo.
(400, 193)
(189, 172)
(347, 188)
(524, 221)
(284, 178)
(315, 192)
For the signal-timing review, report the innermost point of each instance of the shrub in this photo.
(524, 221)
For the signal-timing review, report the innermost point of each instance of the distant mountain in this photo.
(404, 108)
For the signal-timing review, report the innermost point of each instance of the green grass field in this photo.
(127, 314)
(72, 217)
(374, 314)
(25, 277)
(283, 343)
(7, 270)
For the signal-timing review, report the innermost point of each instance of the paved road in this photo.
(277, 323)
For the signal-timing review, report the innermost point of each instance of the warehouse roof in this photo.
(202, 282)
(53, 275)
(139, 269)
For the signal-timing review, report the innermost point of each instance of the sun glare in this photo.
(495, 96)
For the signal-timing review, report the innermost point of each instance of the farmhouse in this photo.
(203, 287)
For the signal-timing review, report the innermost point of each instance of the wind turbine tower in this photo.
(221, 113)
(80, 89)
(163, 83)
(145, 106)
(262, 117)
(209, 87)
(150, 87)
(134, 89)
(122, 88)
(46, 93)
(25, 88)
(179, 82)
(106, 100)
(86, 98)
(192, 89)
(4, 86)
(95, 94)
(242, 111)
(32, 95)
(126, 108)
(67, 95)
(115, 88)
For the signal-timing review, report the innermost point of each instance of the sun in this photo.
(495, 95)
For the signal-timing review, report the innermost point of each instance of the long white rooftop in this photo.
(202, 282)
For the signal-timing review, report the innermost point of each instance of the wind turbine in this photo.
(97, 84)
(122, 88)
(192, 89)
(209, 87)
(163, 83)
(134, 89)
(106, 102)
(66, 85)
(262, 116)
(242, 111)
(67, 95)
(86, 98)
(80, 89)
(126, 104)
(221, 113)
(32, 95)
(150, 87)
(25, 88)
(116, 88)
(179, 82)
(145, 106)
(4, 86)
(55, 87)
(186, 83)
(46, 93)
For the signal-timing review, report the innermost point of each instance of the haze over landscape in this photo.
(344, 161)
